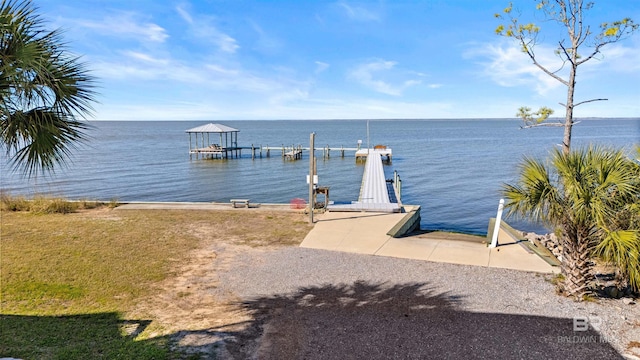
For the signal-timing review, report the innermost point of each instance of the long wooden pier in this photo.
(200, 144)
(295, 152)
(291, 152)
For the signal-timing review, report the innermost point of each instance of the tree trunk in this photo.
(568, 121)
(576, 266)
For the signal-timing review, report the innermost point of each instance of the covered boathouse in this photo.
(222, 146)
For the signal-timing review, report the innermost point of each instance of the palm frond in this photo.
(44, 91)
(42, 139)
(622, 249)
(592, 195)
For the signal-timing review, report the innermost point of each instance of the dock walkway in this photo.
(374, 194)
(216, 151)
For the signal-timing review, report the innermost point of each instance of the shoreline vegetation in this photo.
(50, 205)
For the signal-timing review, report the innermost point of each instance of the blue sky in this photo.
(228, 60)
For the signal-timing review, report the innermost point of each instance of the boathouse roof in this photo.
(212, 128)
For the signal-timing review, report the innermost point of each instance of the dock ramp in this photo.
(374, 193)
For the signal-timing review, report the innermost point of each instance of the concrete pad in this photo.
(362, 245)
(504, 238)
(513, 255)
(407, 248)
(325, 239)
(509, 254)
(366, 233)
(455, 252)
(362, 232)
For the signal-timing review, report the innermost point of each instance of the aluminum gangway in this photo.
(374, 193)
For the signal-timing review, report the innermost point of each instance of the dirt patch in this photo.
(189, 307)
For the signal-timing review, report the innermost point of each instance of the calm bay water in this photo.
(452, 168)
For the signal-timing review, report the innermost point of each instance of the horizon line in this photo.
(380, 119)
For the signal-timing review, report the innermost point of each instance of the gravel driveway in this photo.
(317, 304)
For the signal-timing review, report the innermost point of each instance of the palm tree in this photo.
(590, 196)
(45, 91)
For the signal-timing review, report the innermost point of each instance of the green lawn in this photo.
(68, 281)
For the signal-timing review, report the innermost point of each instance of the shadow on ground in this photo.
(86, 336)
(406, 321)
(346, 321)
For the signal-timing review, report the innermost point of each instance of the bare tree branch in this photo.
(558, 124)
(541, 125)
(541, 67)
(566, 53)
(588, 101)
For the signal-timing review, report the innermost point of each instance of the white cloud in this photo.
(184, 14)
(158, 110)
(364, 74)
(241, 80)
(508, 66)
(204, 29)
(288, 103)
(278, 85)
(225, 42)
(222, 70)
(145, 58)
(321, 66)
(621, 58)
(290, 95)
(265, 42)
(358, 13)
(351, 108)
(137, 66)
(127, 26)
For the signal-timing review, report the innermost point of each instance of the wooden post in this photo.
(368, 146)
(315, 187)
(397, 184)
